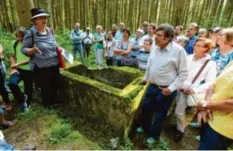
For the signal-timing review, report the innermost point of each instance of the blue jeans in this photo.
(27, 77)
(212, 140)
(5, 146)
(78, 48)
(155, 104)
(3, 89)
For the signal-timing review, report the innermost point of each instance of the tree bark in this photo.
(23, 9)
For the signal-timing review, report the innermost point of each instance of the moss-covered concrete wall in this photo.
(104, 102)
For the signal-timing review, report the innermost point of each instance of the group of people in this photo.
(195, 69)
(115, 45)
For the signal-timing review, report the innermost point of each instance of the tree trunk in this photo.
(23, 9)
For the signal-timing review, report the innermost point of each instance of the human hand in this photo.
(13, 71)
(36, 50)
(143, 82)
(14, 65)
(165, 91)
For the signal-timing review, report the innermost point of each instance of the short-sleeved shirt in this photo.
(123, 46)
(222, 60)
(99, 36)
(223, 122)
(110, 47)
(143, 57)
(20, 57)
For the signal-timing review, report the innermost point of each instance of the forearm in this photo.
(225, 106)
(118, 51)
(23, 63)
(12, 59)
(209, 93)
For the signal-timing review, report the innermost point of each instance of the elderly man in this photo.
(182, 40)
(191, 34)
(119, 33)
(136, 42)
(76, 38)
(114, 29)
(166, 71)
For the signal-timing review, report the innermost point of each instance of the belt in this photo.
(157, 86)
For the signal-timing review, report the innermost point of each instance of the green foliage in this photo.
(125, 144)
(6, 40)
(160, 145)
(61, 132)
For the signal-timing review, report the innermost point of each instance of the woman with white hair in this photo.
(182, 40)
(99, 47)
(202, 33)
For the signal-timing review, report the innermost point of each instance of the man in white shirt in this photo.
(166, 71)
(151, 35)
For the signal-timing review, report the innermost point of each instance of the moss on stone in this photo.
(103, 96)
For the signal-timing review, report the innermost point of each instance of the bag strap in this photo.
(200, 71)
(15, 45)
(33, 38)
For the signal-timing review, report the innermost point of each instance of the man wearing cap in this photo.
(40, 45)
(76, 38)
(136, 42)
(87, 38)
(119, 33)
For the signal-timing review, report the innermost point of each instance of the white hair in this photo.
(203, 30)
(183, 38)
(98, 26)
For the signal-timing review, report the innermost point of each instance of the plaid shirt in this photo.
(221, 59)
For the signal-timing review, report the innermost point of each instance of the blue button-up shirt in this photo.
(189, 47)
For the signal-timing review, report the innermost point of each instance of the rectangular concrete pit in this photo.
(107, 97)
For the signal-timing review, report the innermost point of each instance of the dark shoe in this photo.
(178, 136)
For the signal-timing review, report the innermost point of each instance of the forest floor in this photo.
(51, 129)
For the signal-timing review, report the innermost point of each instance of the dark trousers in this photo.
(109, 61)
(48, 80)
(3, 90)
(87, 49)
(27, 77)
(155, 104)
(212, 140)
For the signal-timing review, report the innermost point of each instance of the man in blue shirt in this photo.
(119, 33)
(76, 38)
(191, 34)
